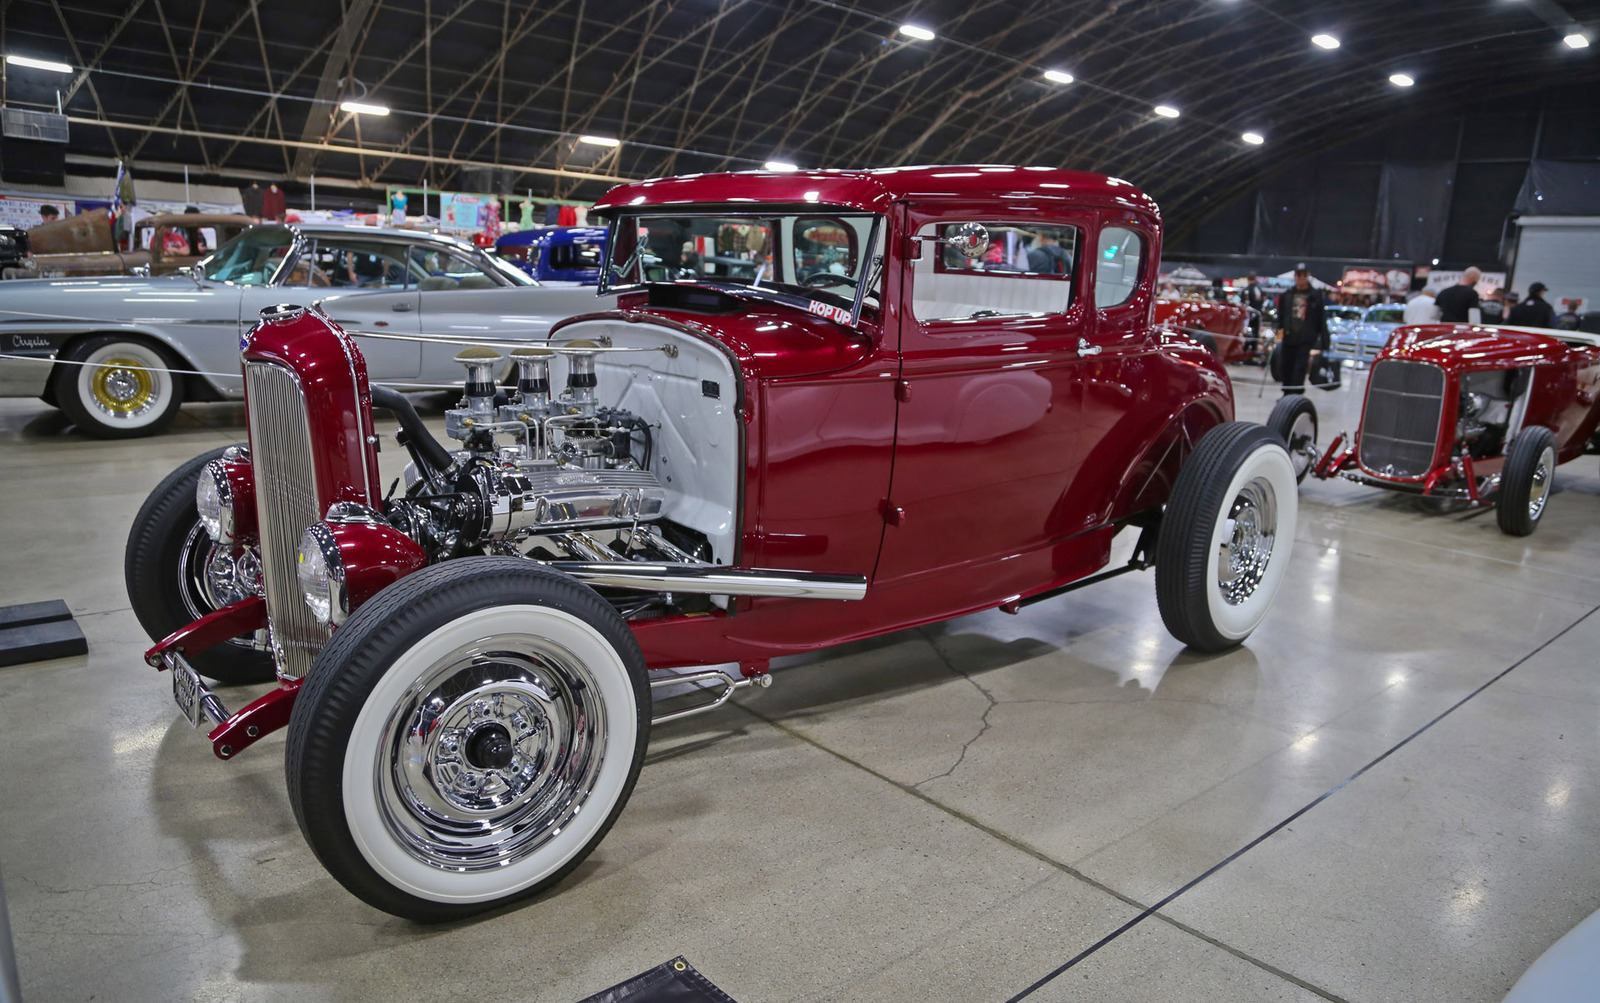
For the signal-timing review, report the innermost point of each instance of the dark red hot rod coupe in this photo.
(1466, 414)
(885, 417)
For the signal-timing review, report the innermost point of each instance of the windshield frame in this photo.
(870, 270)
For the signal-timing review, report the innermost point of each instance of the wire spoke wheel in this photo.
(1247, 539)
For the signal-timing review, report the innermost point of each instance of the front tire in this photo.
(467, 738)
(122, 391)
(1525, 481)
(1294, 422)
(175, 575)
(1226, 537)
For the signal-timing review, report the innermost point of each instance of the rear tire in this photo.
(166, 568)
(124, 393)
(1525, 481)
(1294, 422)
(451, 731)
(1226, 537)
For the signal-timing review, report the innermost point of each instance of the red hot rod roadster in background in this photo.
(886, 416)
(1477, 415)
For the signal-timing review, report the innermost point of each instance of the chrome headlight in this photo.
(320, 571)
(213, 498)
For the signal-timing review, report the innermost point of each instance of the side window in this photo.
(573, 257)
(348, 264)
(1028, 269)
(1116, 275)
(437, 268)
(823, 246)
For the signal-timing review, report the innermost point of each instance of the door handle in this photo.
(403, 306)
(1084, 348)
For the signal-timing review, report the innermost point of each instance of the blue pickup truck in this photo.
(556, 255)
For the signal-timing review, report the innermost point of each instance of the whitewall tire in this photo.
(1226, 537)
(122, 389)
(468, 737)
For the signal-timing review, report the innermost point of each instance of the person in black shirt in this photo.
(1305, 330)
(1453, 303)
(1256, 300)
(1533, 311)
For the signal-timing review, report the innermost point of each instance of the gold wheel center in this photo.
(122, 386)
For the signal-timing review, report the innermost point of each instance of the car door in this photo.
(989, 436)
(1119, 415)
(364, 285)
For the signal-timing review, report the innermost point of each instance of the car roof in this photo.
(875, 190)
(384, 232)
(195, 219)
(550, 234)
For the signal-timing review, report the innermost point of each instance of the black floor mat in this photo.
(673, 981)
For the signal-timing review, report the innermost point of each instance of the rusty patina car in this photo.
(1463, 414)
(739, 467)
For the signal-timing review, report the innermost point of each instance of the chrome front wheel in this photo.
(467, 737)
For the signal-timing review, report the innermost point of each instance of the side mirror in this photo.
(970, 240)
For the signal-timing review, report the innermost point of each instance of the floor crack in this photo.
(983, 722)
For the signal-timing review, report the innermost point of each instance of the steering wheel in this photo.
(828, 279)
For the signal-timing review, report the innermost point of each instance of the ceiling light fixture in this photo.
(1254, 138)
(1401, 79)
(917, 32)
(45, 64)
(1576, 40)
(599, 140)
(781, 166)
(362, 108)
(1325, 41)
(1166, 111)
(1058, 76)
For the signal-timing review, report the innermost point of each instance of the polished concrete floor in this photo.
(953, 813)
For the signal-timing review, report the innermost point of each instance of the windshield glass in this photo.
(250, 258)
(1386, 315)
(816, 252)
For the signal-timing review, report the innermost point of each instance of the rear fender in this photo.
(1147, 481)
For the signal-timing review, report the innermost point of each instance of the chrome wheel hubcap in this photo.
(1303, 444)
(494, 750)
(1247, 538)
(1540, 491)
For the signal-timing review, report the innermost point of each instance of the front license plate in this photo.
(188, 692)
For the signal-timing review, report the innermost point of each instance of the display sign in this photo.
(24, 212)
(1375, 280)
(466, 213)
(1488, 283)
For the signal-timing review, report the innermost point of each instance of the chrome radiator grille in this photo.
(1400, 431)
(286, 503)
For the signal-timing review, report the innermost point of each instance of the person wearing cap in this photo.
(1305, 330)
(1533, 311)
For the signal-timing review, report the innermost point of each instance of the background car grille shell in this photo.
(1400, 429)
(286, 503)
